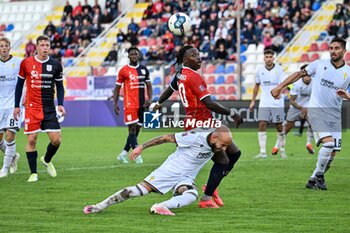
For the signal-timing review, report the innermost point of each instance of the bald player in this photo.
(194, 149)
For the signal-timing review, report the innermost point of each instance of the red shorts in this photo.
(36, 120)
(133, 115)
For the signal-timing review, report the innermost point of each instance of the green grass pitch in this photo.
(260, 195)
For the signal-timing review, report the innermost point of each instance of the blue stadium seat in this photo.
(9, 27)
(243, 90)
(316, 6)
(322, 36)
(220, 69)
(220, 80)
(230, 69)
(213, 97)
(243, 48)
(156, 91)
(157, 81)
(243, 58)
(68, 62)
(143, 51)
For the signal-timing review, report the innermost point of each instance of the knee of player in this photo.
(56, 141)
(328, 144)
(188, 189)
(32, 141)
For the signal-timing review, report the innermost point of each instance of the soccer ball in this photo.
(179, 24)
(59, 116)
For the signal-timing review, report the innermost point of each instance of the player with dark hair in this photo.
(270, 109)
(41, 73)
(299, 101)
(331, 79)
(135, 78)
(198, 106)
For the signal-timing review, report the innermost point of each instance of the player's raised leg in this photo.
(140, 189)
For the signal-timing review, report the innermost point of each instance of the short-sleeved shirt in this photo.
(8, 79)
(134, 79)
(191, 154)
(326, 79)
(40, 79)
(303, 93)
(192, 89)
(268, 79)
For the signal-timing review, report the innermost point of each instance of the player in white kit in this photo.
(299, 101)
(194, 149)
(270, 109)
(330, 80)
(9, 68)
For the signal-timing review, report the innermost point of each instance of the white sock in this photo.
(262, 142)
(188, 197)
(281, 141)
(3, 146)
(323, 156)
(9, 155)
(122, 195)
(309, 135)
(277, 143)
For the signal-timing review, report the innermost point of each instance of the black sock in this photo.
(127, 144)
(133, 140)
(233, 158)
(32, 156)
(50, 152)
(301, 128)
(217, 173)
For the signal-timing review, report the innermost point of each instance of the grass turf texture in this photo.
(260, 195)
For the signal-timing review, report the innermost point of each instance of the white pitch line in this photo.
(274, 159)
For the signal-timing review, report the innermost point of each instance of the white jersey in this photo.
(192, 153)
(324, 100)
(8, 80)
(303, 93)
(268, 79)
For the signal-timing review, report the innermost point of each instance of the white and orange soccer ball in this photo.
(179, 24)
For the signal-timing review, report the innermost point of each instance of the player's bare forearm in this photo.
(159, 140)
(116, 94)
(149, 90)
(255, 91)
(292, 78)
(294, 103)
(165, 95)
(215, 106)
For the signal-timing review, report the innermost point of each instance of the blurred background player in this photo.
(299, 101)
(42, 74)
(270, 109)
(9, 68)
(198, 106)
(331, 78)
(178, 172)
(135, 77)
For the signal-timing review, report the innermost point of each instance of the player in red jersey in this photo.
(198, 106)
(41, 73)
(135, 78)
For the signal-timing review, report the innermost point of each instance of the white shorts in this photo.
(163, 180)
(275, 115)
(8, 122)
(323, 129)
(293, 114)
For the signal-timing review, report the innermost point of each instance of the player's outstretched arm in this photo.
(276, 92)
(219, 108)
(153, 142)
(163, 97)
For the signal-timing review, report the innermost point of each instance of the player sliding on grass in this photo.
(194, 149)
(330, 80)
(198, 106)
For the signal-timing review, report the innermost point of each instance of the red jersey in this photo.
(134, 79)
(40, 79)
(192, 89)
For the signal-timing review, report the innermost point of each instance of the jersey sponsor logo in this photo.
(203, 155)
(327, 83)
(202, 88)
(181, 76)
(34, 74)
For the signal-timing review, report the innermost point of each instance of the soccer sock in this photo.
(32, 156)
(133, 140)
(127, 144)
(123, 195)
(188, 197)
(262, 142)
(50, 152)
(281, 140)
(233, 158)
(277, 143)
(3, 146)
(309, 135)
(301, 128)
(9, 155)
(217, 173)
(323, 156)
(329, 163)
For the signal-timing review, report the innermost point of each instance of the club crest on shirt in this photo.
(49, 67)
(143, 71)
(201, 87)
(345, 75)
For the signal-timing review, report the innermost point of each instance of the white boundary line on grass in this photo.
(270, 158)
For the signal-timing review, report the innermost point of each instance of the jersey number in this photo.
(12, 122)
(337, 144)
(182, 93)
